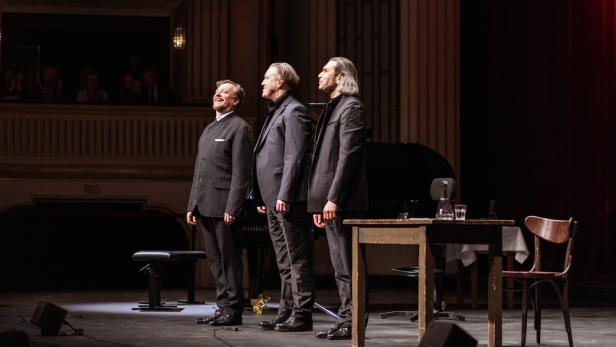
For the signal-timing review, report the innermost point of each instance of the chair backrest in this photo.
(553, 231)
(437, 186)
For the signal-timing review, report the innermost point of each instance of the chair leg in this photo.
(524, 311)
(538, 312)
(565, 306)
(459, 284)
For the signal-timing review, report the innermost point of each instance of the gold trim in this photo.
(106, 172)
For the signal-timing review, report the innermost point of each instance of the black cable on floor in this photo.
(221, 340)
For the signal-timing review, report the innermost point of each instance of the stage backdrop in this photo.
(538, 91)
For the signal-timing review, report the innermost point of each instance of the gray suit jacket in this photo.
(222, 169)
(338, 170)
(282, 156)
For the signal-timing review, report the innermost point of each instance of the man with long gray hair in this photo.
(280, 184)
(338, 185)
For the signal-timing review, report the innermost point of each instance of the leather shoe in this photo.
(227, 319)
(323, 333)
(270, 324)
(207, 319)
(342, 333)
(295, 323)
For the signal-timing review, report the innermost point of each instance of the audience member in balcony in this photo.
(51, 86)
(129, 92)
(153, 92)
(134, 66)
(13, 87)
(92, 93)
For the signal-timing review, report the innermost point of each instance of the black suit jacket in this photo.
(338, 170)
(222, 169)
(281, 156)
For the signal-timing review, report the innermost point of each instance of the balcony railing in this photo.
(99, 141)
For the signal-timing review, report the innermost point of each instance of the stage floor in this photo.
(108, 320)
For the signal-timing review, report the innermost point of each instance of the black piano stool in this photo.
(155, 260)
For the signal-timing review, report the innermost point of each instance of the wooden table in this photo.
(425, 233)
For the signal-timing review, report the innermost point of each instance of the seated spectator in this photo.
(129, 92)
(92, 93)
(13, 88)
(153, 93)
(50, 88)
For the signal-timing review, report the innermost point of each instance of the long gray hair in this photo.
(349, 84)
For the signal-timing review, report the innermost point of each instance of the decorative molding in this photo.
(139, 8)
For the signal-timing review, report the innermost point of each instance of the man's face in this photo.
(149, 80)
(92, 81)
(8, 76)
(328, 78)
(271, 83)
(224, 98)
(50, 76)
(129, 81)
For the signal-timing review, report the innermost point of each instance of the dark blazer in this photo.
(282, 156)
(338, 170)
(164, 96)
(222, 169)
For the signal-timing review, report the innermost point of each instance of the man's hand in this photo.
(318, 220)
(281, 206)
(191, 219)
(229, 219)
(329, 211)
(261, 209)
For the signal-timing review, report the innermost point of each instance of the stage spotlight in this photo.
(445, 334)
(48, 317)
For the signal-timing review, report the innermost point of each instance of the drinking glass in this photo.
(460, 212)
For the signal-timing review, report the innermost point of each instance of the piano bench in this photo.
(155, 260)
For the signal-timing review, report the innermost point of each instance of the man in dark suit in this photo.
(153, 92)
(338, 185)
(220, 183)
(280, 184)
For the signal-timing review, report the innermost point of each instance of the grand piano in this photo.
(397, 174)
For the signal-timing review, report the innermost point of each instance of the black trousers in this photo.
(224, 257)
(290, 234)
(339, 240)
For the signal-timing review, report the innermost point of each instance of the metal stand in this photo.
(326, 311)
(154, 286)
(190, 295)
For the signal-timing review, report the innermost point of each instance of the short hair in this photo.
(239, 91)
(345, 67)
(287, 74)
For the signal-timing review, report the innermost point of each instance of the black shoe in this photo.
(296, 322)
(342, 333)
(270, 324)
(227, 319)
(323, 333)
(207, 319)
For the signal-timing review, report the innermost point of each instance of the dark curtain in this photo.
(538, 106)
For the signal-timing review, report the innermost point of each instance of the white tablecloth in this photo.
(513, 241)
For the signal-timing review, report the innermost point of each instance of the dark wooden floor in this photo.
(107, 320)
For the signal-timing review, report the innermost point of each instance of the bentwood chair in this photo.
(555, 232)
